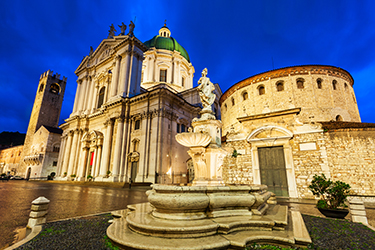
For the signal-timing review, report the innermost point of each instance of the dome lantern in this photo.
(164, 31)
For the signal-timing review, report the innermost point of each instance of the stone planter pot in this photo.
(334, 213)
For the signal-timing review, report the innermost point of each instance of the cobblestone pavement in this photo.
(66, 201)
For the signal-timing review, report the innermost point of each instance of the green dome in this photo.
(168, 43)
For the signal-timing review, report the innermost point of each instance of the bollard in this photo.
(357, 210)
(38, 212)
(272, 200)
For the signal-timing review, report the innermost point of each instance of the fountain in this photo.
(208, 214)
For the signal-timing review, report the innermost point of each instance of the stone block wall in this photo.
(351, 158)
(347, 155)
(308, 162)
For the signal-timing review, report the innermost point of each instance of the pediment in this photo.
(269, 132)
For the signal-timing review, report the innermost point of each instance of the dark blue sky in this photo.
(233, 39)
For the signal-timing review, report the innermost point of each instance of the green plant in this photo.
(73, 175)
(235, 153)
(108, 173)
(89, 177)
(332, 194)
(65, 173)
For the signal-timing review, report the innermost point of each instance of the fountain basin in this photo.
(193, 139)
(197, 202)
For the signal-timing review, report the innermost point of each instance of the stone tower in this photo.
(46, 109)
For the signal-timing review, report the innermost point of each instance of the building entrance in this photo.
(272, 170)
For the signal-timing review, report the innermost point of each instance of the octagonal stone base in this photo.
(197, 217)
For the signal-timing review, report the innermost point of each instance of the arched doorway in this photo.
(272, 159)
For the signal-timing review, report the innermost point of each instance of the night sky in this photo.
(233, 39)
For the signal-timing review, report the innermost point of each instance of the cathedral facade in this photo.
(286, 125)
(132, 99)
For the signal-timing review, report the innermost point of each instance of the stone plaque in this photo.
(307, 146)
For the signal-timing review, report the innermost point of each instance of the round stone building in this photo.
(323, 93)
(284, 126)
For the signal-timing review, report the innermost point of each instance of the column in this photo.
(78, 153)
(67, 153)
(118, 146)
(97, 160)
(174, 79)
(124, 81)
(82, 164)
(139, 75)
(76, 99)
(82, 93)
(91, 94)
(133, 75)
(153, 64)
(61, 155)
(107, 149)
(95, 95)
(115, 77)
(73, 152)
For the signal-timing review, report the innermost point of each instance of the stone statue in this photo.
(206, 88)
(111, 31)
(123, 29)
(131, 29)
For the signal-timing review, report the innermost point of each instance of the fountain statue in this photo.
(207, 214)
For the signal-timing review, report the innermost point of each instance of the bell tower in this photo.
(46, 109)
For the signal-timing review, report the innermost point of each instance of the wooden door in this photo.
(272, 170)
(134, 169)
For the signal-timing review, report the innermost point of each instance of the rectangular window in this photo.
(137, 124)
(54, 164)
(163, 75)
(182, 128)
(178, 128)
(183, 82)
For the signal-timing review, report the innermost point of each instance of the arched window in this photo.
(346, 85)
(261, 90)
(101, 97)
(339, 118)
(300, 83)
(55, 88)
(280, 86)
(245, 96)
(41, 87)
(225, 107)
(334, 84)
(233, 102)
(319, 83)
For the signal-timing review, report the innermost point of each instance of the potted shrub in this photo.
(65, 174)
(73, 176)
(89, 178)
(332, 196)
(108, 173)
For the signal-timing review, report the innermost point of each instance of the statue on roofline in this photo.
(111, 31)
(206, 88)
(131, 29)
(123, 29)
